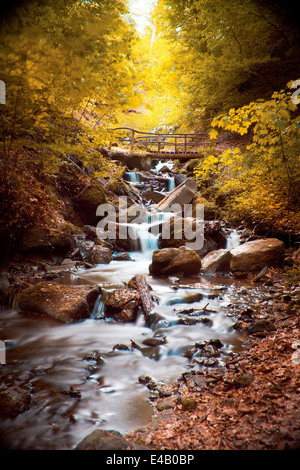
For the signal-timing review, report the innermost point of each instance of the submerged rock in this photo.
(64, 303)
(14, 401)
(257, 254)
(175, 260)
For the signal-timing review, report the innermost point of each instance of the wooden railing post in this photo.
(175, 144)
(158, 146)
(132, 140)
(185, 144)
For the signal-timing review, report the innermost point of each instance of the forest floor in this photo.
(250, 404)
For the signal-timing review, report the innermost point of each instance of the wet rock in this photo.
(186, 299)
(95, 357)
(257, 254)
(210, 362)
(121, 347)
(209, 350)
(123, 305)
(94, 254)
(216, 261)
(14, 401)
(154, 341)
(166, 403)
(64, 303)
(101, 439)
(90, 231)
(175, 260)
(121, 257)
(99, 255)
(144, 379)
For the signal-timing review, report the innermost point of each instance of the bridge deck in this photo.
(167, 146)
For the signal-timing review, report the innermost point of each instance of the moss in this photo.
(211, 211)
(70, 229)
(93, 196)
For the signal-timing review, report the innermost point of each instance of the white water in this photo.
(133, 176)
(171, 184)
(233, 239)
(49, 359)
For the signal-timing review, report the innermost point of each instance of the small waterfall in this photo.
(98, 311)
(132, 177)
(142, 239)
(145, 236)
(171, 184)
(233, 239)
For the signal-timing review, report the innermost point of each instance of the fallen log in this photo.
(139, 283)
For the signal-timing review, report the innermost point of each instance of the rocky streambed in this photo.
(97, 340)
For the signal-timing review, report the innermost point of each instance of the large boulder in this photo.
(173, 235)
(64, 303)
(175, 260)
(256, 254)
(85, 192)
(37, 240)
(216, 261)
(183, 194)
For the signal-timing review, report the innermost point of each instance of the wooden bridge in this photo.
(165, 146)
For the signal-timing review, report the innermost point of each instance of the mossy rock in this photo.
(87, 202)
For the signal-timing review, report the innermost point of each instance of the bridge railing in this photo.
(162, 143)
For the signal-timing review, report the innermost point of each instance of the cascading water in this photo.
(85, 375)
(132, 176)
(233, 239)
(171, 184)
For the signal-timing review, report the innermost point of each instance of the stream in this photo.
(86, 375)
